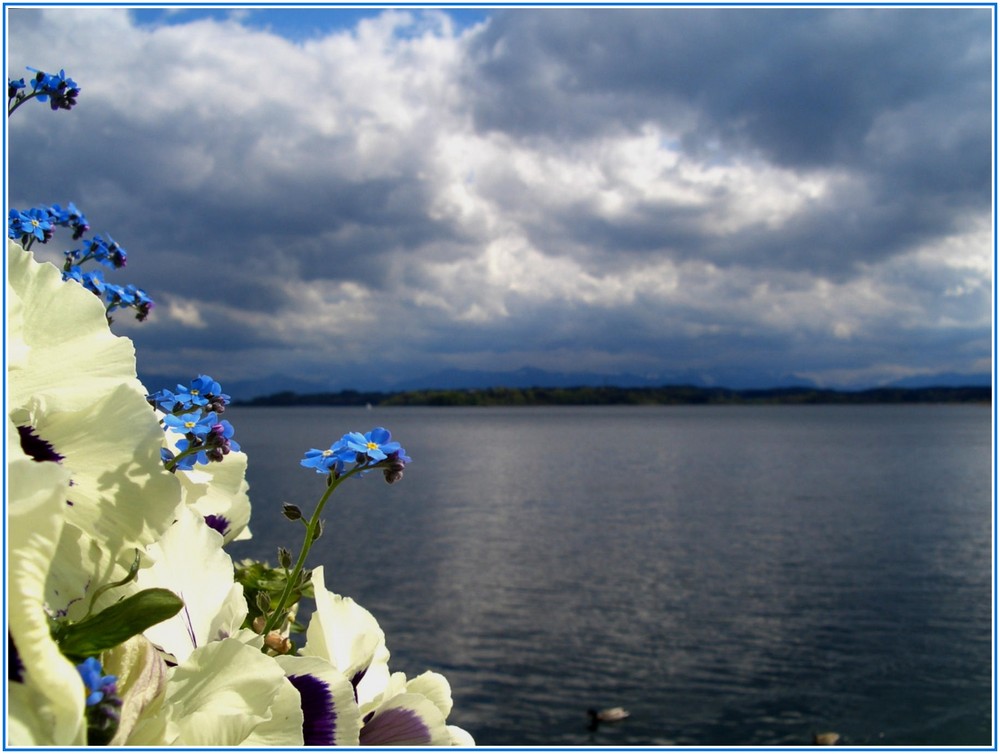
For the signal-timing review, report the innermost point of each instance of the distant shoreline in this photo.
(673, 395)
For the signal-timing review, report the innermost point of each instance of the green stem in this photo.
(21, 101)
(132, 571)
(67, 265)
(172, 463)
(277, 615)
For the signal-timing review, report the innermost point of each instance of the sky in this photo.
(355, 198)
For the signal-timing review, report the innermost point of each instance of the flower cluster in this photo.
(117, 296)
(128, 623)
(39, 224)
(109, 253)
(193, 412)
(55, 88)
(375, 449)
(103, 703)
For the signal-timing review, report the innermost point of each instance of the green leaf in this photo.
(117, 623)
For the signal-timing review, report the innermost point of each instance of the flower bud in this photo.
(263, 602)
(284, 558)
(277, 643)
(291, 512)
(142, 678)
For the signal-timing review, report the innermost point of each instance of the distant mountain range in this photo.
(951, 379)
(627, 396)
(527, 377)
(458, 379)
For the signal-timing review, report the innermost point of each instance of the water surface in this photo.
(732, 575)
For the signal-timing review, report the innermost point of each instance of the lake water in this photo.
(731, 575)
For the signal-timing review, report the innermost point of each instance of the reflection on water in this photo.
(731, 575)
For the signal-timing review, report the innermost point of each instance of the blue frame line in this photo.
(504, 4)
(996, 723)
(570, 5)
(3, 442)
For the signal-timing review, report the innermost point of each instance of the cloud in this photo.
(783, 190)
(803, 85)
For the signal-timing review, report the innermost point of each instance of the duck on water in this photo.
(609, 715)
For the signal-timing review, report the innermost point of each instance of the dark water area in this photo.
(731, 575)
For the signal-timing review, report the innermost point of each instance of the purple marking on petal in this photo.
(219, 523)
(319, 716)
(188, 624)
(36, 447)
(356, 680)
(397, 726)
(15, 668)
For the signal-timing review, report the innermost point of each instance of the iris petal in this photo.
(396, 727)
(48, 708)
(406, 720)
(319, 718)
(190, 562)
(65, 354)
(36, 447)
(225, 694)
(219, 491)
(341, 631)
(330, 714)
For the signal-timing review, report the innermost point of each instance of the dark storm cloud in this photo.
(644, 190)
(897, 97)
(803, 85)
(219, 202)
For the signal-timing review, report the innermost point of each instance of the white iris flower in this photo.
(190, 562)
(225, 694)
(45, 693)
(72, 385)
(218, 491)
(89, 499)
(395, 712)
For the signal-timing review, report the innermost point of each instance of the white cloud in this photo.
(351, 182)
(185, 313)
